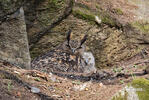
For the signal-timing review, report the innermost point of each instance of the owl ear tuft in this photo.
(68, 36)
(83, 40)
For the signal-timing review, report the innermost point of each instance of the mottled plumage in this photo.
(67, 57)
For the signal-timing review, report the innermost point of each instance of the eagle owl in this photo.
(70, 56)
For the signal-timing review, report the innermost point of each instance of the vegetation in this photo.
(141, 87)
(84, 16)
(107, 19)
(118, 11)
(142, 84)
(141, 25)
(56, 3)
(120, 96)
(9, 86)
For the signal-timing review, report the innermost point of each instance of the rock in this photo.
(8, 7)
(101, 85)
(13, 40)
(35, 90)
(97, 19)
(136, 90)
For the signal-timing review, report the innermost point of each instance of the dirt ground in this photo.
(21, 84)
(18, 84)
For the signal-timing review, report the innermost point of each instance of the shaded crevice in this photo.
(43, 32)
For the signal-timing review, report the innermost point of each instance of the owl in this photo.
(70, 56)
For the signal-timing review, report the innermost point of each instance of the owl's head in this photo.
(74, 46)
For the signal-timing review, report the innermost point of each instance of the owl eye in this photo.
(79, 47)
(68, 46)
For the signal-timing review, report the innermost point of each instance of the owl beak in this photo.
(73, 50)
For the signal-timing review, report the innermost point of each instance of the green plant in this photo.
(117, 70)
(76, 82)
(114, 70)
(37, 79)
(122, 81)
(9, 86)
(126, 71)
(135, 66)
(133, 76)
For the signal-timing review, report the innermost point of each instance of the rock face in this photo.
(13, 38)
(117, 38)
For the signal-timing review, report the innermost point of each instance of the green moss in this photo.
(118, 11)
(143, 26)
(106, 19)
(138, 86)
(84, 16)
(143, 84)
(56, 3)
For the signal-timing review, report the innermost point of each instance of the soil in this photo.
(17, 83)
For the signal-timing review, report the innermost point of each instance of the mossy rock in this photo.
(115, 47)
(138, 89)
(40, 14)
(143, 84)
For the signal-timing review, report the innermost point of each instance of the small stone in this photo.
(98, 20)
(28, 76)
(35, 90)
(86, 89)
(18, 94)
(101, 85)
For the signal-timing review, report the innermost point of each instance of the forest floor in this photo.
(21, 84)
